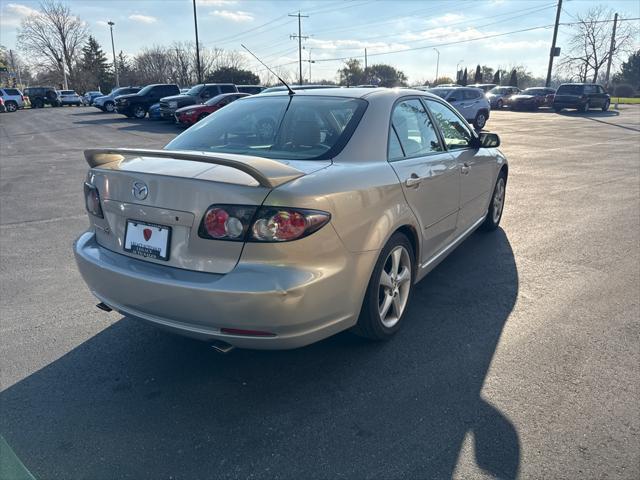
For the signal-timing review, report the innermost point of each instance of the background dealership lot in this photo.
(519, 354)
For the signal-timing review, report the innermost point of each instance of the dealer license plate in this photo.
(147, 239)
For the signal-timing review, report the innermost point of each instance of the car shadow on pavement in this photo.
(134, 402)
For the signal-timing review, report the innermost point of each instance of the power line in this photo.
(484, 37)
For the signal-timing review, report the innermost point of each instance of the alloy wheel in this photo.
(394, 286)
(11, 107)
(110, 107)
(498, 200)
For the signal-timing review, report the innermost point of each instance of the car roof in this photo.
(353, 92)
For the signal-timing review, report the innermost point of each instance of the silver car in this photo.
(470, 102)
(276, 238)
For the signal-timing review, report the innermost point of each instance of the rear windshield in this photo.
(499, 90)
(570, 89)
(281, 127)
(441, 92)
(67, 92)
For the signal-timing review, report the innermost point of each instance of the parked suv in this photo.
(500, 96)
(13, 99)
(470, 102)
(107, 103)
(137, 104)
(41, 96)
(69, 97)
(581, 96)
(196, 95)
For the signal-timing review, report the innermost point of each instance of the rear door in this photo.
(476, 166)
(428, 173)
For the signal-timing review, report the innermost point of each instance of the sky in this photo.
(402, 33)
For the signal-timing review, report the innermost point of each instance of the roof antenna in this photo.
(291, 92)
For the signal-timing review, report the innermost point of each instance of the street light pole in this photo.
(195, 22)
(437, 65)
(460, 62)
(113, 48)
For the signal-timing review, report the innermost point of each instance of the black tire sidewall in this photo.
(475, 121)
(11, 106)
(489, 224)
(137, 109)
(369, 324)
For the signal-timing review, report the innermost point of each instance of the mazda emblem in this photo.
(140, 190)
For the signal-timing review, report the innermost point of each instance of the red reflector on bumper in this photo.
(253, 333)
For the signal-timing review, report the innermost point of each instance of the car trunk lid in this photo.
(179, 188)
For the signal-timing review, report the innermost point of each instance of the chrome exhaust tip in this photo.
(221, 347)
(104, 306)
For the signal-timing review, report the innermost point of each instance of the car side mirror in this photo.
(489, 140)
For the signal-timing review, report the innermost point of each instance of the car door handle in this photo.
(413, 181)
(464, 169)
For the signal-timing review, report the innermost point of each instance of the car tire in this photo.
(38, 103)
(499, 104)
(557, 109)
(384, 307)
(496, 205)
(139, 112)
(605, 107)
(11, 106)
(481, 120)
(585, 108)
(109, 107)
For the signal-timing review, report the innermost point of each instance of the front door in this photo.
(475, 165)
(429, 175)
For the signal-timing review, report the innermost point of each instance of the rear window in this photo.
(282, 127)
(570, 89)
(67, 92)
(12, 91)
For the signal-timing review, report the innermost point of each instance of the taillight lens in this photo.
(226, 222)
(266, 224)
(92, 200)
(286, 224)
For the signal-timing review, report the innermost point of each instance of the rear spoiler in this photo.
(269, 173)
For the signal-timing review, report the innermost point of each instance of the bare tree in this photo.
(53, 36)
(588, 50)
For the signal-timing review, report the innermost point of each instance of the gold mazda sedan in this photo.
(282, 219)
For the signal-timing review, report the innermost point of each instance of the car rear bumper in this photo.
(298, 306)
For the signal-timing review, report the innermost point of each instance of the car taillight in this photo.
(226, 222)
(285, 224)
(92, 200)
(265, 224)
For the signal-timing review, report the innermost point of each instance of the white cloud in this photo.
(217, 3)
(446, 18)
(143, 18)
(102, 23)
(447, 34)
(236, 16)
(20, 10)
(374, 47)
(520, 45)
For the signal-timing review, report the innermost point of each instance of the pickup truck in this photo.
(196, 95)
(137, 104)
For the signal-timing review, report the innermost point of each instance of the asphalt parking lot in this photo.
(519, 358)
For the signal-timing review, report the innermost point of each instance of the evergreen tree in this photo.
(465, 79)
(496, 77)
(95, 67)
(478, 76)
(513, 81)
(630, 71)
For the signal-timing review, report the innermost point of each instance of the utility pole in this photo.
(299, 37)
(195, 22)
(113, 48)
(611, 49)
(366, 66)
(16, 70)
(310, 62)
(437, 65)
(552, 53)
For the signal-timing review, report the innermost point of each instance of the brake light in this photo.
(226, 222)
(286, 224)
(265, 224)
(92, 200)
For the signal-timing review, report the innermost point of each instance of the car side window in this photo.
(395, 149)
(227, 88)
(590, 89)
(415, 131)
(470, 95)
(455, 132)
